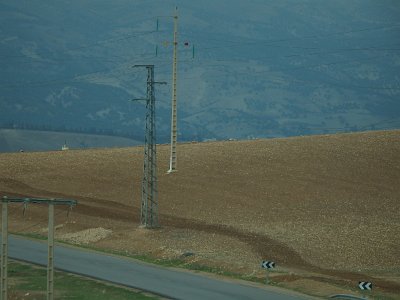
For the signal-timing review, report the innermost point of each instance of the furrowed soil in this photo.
(324, 208)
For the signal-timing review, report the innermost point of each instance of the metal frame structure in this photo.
(174, 129)
(4, 239)
(149, 204)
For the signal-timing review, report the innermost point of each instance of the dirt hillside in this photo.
(326, 206)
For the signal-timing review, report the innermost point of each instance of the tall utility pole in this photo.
(174, 131)
(149, 205)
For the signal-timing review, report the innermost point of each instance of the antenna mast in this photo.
(174, 131)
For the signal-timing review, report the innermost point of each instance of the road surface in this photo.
(165, 282)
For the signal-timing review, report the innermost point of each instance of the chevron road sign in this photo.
(268, 264)
(363, 285)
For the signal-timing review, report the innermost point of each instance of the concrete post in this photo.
(50, 257)
(4, 249)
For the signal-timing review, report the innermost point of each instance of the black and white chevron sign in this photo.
(268, 264)
(363, 285)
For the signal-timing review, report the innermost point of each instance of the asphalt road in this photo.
(128, 272)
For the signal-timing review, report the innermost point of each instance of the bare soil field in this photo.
(325, 208)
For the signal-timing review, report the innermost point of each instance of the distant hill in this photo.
(250, 69)
(12, 140)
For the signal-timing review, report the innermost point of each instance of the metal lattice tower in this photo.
(149, 205)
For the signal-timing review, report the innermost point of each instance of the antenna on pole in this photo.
(174, 131)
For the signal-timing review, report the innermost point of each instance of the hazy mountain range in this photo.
(249, 69)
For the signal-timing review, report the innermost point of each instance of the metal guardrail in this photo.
(40, 200)
(343, 296)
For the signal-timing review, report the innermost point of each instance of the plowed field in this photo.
(326, 209)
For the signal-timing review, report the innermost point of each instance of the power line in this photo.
(94, 44)
(98, 43)
(64, 80)
(76, 77)
(335, 51)
(241, 44)
(315, 36)
(296, 68)
(44, 220)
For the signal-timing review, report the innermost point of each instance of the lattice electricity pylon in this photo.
(149, 205)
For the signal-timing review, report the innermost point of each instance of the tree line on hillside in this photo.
(63, 128)
(137, 135)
